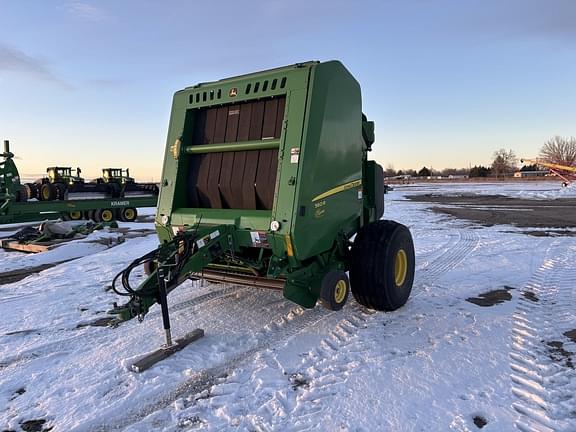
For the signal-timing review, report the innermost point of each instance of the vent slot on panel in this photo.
(236, 180)
(212, 94)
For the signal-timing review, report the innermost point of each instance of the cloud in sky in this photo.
(13, 60)
(87, 11)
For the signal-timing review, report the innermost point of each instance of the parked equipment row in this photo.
(127, 214)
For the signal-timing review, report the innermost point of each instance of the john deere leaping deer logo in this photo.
(233, 92)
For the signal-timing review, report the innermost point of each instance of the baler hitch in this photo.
(175, 261)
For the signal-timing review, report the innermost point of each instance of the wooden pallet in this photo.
(36, 247)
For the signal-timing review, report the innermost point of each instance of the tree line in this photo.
(558, 150)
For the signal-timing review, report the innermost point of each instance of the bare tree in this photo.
(559, 150)
(504, 162)
(390, 171)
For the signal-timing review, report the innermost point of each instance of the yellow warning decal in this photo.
(338, 189)
(288, 242)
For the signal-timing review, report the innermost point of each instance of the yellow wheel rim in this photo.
(129, 214)
(75, 215)
(340, 291)
(107, 215)
(45, 193)
(400, 267)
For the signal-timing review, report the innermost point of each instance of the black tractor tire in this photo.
(107, 215)
(128, 214)
(47, 192)
(114, 190)
(75, 215)
(104, 215)
(28, 191)
(90, 215)
(60, 191)
(334, 290)
(382, 265)
(20, 195)
(34, 190)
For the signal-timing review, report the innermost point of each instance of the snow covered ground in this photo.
(540, 190)
(440, 363)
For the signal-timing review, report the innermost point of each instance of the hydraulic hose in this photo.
(183, 242)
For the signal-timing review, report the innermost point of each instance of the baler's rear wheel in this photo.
(334, 290)
(382, 265)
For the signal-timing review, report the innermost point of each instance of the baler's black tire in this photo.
(382, 265)
(334, 290)
(47, 192)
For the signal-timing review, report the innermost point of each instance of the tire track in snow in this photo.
(294, 321)
(94, 337)
(466, 243)
(543, 375)
(344, 330)
(326, 369)
(329, 364)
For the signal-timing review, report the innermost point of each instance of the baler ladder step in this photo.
(154, 357)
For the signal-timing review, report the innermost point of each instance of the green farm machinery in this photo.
(56, 185)
(116, 175)
(265, 182)
(62, 183)
(48, 198)
(10, 187)
(120, 181)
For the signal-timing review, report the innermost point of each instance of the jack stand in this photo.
(164, 306)
(151, 359)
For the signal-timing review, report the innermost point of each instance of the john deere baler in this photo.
(265, 181)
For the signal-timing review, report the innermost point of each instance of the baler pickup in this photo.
(265, 181)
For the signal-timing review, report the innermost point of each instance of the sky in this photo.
(447, 82)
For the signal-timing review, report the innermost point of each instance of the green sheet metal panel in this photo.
(329, 197)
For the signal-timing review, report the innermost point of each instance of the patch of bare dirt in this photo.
(491, 298)
(491, 210)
